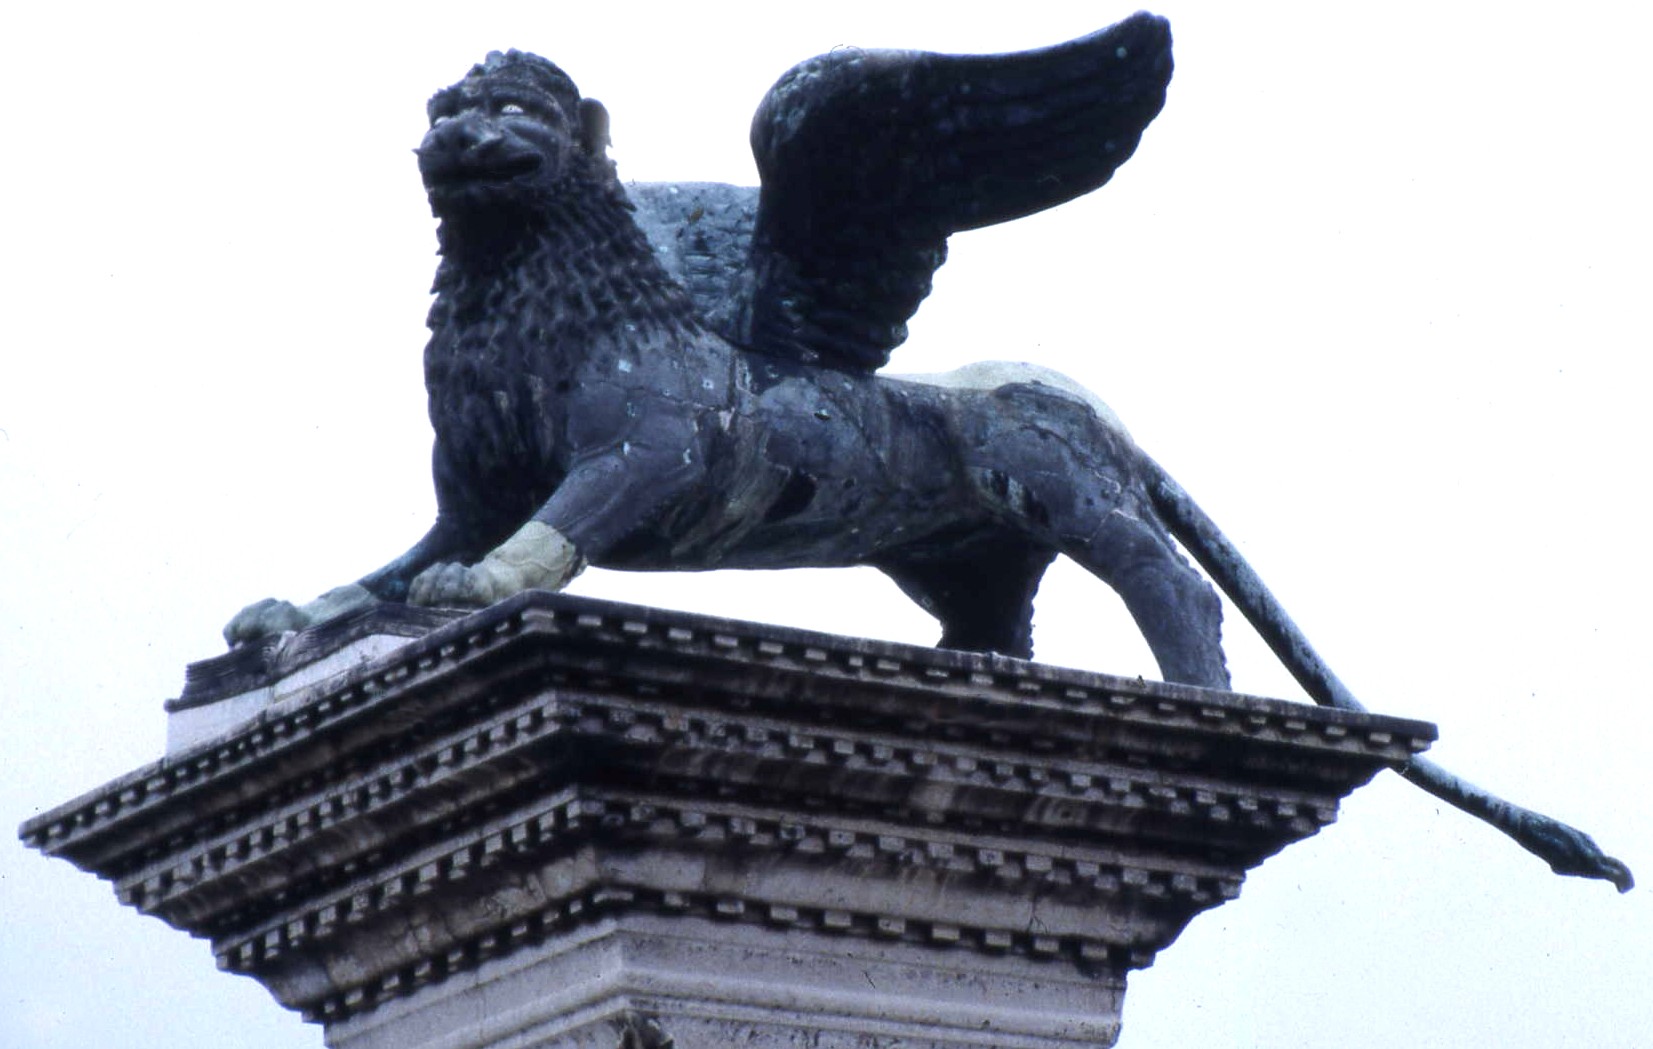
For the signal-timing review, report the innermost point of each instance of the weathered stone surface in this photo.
(222, 694)
(711, 982)
(539, 819)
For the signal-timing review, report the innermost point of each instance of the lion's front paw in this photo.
(263, 619)
(537, 555)
(450, 585)
(270, 616)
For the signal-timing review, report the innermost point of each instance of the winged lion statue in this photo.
(712, 398)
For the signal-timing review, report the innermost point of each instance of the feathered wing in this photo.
(871, 159)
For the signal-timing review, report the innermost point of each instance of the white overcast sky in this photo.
(1375, 288)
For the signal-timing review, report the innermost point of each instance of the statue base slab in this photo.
(560, 822)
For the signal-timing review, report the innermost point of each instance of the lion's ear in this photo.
(594, 127)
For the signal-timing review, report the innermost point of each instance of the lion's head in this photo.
(508, 133)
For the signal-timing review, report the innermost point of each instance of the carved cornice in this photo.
(553, 760)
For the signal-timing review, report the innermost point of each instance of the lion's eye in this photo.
(511, 109)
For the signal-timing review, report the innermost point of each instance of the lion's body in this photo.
(567, 372)
(576, 392)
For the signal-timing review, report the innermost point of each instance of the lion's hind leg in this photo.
(1178, 612)
(982, 593)
(1050, 466)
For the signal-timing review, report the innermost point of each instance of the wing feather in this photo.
(871, 159)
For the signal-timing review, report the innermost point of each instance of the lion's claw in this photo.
(262, 619)
(449, 585)
(271, 616)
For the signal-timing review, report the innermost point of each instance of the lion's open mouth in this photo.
(509, 167)
(463, 169)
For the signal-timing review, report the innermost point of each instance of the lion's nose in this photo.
(457, 145)
(460, 135)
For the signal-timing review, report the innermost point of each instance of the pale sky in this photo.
(1374, 288)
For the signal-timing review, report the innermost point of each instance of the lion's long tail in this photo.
(1566, 849)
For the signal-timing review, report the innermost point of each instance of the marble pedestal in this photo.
(564, 823)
